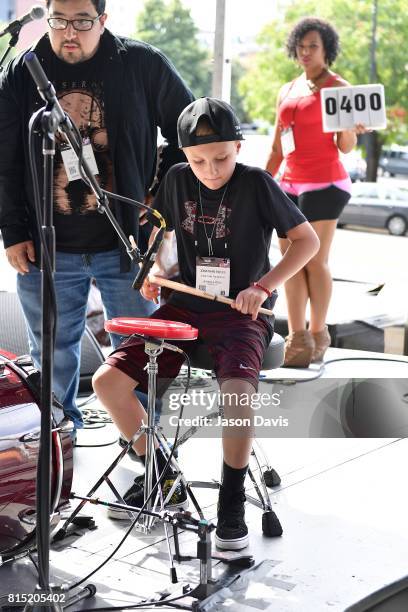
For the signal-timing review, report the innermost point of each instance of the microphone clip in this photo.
(148, 260)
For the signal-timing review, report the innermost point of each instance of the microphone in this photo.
(44, 86)
(37, 12)
(148, 261)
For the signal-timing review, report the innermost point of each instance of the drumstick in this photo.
(165, 282)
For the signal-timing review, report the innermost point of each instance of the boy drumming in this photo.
(223, 214)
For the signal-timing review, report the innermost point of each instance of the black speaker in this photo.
(391, 598)
(13, 338)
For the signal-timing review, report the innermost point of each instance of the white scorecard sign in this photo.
(344, 107)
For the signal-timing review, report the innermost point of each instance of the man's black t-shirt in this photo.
(253, 206)
(80, 228)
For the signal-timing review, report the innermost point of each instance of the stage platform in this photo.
(342, 503)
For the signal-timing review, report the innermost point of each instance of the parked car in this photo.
(377, 205)
(393, 160)
(355, 165)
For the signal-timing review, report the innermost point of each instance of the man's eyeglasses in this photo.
(82, 25)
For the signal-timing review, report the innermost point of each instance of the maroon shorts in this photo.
(236, 343)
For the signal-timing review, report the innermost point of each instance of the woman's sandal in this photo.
(299, 349)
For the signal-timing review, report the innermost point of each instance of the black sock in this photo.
(233, 478)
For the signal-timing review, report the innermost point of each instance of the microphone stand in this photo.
(12, 43)
(54, 598)
(53, 118)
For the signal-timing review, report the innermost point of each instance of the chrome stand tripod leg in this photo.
(267, 501)
(176, 468)
(152, 368)
(151, 460)
(262, 501)
(259, 451)
(60, 534)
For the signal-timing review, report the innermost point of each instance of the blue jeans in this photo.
(72, 283)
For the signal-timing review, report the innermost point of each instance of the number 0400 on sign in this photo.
(344, 107)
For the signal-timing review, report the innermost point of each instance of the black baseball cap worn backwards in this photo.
(220, 116)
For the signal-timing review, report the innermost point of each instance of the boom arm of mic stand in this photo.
(12, 43)
(101, 197)
(72, 134)
(66, 126)
(148, 260)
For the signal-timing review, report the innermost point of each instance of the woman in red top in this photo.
(314, 178)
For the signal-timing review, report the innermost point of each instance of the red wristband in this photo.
(259, 286)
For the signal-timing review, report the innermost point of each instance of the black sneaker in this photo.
(131, 452)
(134, 496)
(231, 532)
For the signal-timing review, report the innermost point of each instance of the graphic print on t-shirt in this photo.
(83, 101)
(221, 229)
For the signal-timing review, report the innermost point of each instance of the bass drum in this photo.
(19, 451)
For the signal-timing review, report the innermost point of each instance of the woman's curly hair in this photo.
(328, 34)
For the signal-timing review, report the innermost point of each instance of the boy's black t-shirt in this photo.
(253, 206)
(79, 227)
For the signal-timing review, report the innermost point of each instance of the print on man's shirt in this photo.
(190, 208)
(83, 101)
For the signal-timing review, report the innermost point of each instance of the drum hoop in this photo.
(56, 439)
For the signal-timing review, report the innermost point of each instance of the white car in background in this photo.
(378, 205)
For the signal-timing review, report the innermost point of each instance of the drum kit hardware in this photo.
(19, 444)
(155, 334)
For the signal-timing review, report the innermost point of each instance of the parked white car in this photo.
(377, 205)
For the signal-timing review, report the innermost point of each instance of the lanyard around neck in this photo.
(209, 238)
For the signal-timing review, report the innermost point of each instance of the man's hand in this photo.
(20, 254)
(150, 291)
(143, 213)
(249, 301)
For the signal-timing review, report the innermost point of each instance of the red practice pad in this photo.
(157, 328)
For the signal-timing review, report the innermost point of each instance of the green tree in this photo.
(271, 68)
(170, 27)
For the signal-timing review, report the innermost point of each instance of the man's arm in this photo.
(171, 96)
(13, 208)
